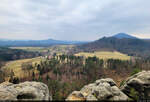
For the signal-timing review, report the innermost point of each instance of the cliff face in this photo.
(24, 91)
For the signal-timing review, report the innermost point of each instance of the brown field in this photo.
(105, 55)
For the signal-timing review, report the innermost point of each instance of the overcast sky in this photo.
(73, 19)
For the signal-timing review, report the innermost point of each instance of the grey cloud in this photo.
(73, 19)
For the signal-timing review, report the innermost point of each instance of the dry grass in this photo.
(105, 55)
(58, 49)
(54, 49)
(15, 66)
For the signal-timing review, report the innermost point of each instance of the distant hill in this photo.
(36, 43)
(124, 35)
(124, 44)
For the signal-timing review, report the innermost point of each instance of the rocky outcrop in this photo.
(103, 89)
(138, 86)
(24, 91)
(134, 88)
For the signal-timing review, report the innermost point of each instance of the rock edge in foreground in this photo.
(24, 91)
(103, 89)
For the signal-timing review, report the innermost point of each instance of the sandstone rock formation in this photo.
(135, 87)
(24, 91)
(103, 89)
(138, 86)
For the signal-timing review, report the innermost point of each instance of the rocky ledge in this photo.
(24, 91)
(103, 89)
(136, 87)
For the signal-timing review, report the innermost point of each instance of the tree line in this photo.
(66, 73)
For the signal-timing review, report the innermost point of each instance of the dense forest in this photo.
(7, 54)
(66, 73)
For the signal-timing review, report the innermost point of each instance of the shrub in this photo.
(122, 83)
(135, 71)
(134, 94)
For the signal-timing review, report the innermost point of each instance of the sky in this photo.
(78, 20)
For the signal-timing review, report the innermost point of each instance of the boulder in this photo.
(24, 91)
(103, 89)
(138, 86)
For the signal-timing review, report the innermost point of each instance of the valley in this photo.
(75, 50)
(47, 52)
(59, 49)
(65, 68)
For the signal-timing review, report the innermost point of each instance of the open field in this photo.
(53, 49)
(64, 49)
(105, 55)
(15, 66)
(33, 49)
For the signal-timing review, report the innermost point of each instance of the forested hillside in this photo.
(132, 47)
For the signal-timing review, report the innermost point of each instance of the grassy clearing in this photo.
(15, 66)
(52, 49)
(105, 55)
(33, 49)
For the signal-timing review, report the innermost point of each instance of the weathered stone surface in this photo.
(76, 95)
(24, 91)
(103, 89)
(138, 86)
(91, 98)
